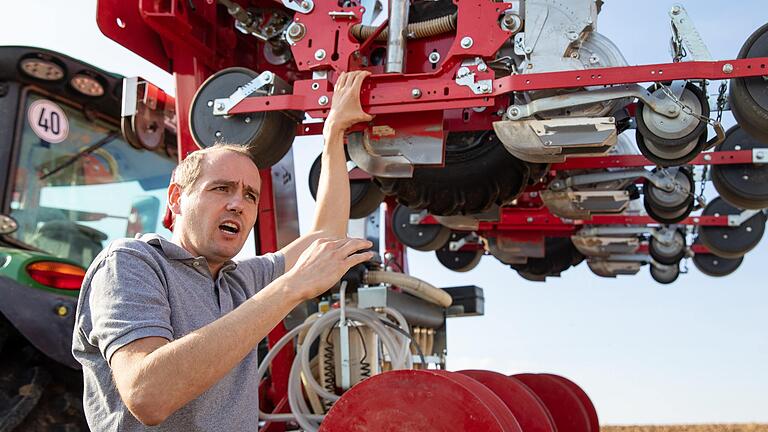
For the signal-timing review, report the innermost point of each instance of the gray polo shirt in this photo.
(152, 287)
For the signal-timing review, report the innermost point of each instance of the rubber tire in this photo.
(705, 262)
(473, 179)
(752, 117)
(666, 259)
(364, 195)
(57, 389)
(663, 218)
(458, 261)
(700, 131)
(559, 255)
(728, 187)
(658, 213)
(662, 278)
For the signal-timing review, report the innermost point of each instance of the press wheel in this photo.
(713, 265)
(426, 237)
(267, 135)
(748, 97)
(673, 141)
(743, 185)
(665, 274)
(669, 207)
(731, 242)
(670, 253)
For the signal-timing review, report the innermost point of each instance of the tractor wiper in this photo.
(90, 149)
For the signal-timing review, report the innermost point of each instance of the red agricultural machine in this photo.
(505, 128)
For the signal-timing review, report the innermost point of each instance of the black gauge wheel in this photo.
(731, 242)
(715, 266)
(423, 237)
(559, 255)
(748, 97)
(267, 135)
(458, 261)
(365, 197)
(743, 185)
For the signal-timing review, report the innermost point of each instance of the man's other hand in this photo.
(324, 262)
(345, 108)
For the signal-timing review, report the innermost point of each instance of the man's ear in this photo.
(174, 198)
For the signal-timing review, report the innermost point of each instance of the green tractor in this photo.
(70, 182)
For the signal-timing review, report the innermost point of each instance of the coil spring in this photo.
(329, 369)
(365, 367)
(419, 30)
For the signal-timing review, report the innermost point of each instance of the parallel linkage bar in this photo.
(383, 95)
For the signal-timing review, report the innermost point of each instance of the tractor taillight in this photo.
(56, 274)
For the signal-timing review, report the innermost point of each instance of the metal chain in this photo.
(721, 100)
(685, 108)
(677, 46)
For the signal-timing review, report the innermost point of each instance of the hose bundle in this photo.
(419, 30)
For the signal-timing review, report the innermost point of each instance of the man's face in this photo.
(217, 211)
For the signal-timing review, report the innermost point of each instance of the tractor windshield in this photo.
(78, 185)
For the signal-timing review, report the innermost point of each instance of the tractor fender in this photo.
(44, 318)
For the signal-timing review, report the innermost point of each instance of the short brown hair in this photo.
(188, 170)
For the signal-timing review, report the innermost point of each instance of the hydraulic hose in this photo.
(410, 285)
(419, 30)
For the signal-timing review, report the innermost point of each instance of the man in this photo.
(166, 331)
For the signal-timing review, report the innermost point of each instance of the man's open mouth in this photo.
(230, 227)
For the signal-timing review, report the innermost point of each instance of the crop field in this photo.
(751, 427)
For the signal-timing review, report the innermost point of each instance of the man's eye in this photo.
(220, 188)
(251, 197)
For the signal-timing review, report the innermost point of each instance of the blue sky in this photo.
(692, 352)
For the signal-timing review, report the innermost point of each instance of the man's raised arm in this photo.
(333, 201)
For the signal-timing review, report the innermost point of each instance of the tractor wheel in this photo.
(748, 97)
(743, 185)
(36, 394)
(478, 173)
(424, 237)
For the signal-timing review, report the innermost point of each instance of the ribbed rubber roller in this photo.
(528, 409)
(586, 402)
(419, 400)
(564, 405)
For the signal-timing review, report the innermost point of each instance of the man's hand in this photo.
(323, 263)
(345, 108)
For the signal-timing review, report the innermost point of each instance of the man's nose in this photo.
(235, 203)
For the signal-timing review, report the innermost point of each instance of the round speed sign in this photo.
(48, 121)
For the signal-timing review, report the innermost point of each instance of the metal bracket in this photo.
(301, 6)
(738, 219)
(759, 155)
(663, 106)
(684, 29)
(416, 218)
(466, 77)
(223, 106)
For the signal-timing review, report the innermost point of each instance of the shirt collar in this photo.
(176, 252)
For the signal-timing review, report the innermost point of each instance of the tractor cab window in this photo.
(78, 185)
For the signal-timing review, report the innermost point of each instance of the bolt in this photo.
(320, 54)
(529, 219)
(759, 155)
(707, 157)
(247, 119)
(323, 100)
(467, 42)
(482, 67)
(594, 59)
(463, 71)
(672, 109)
(434, 57)
(528, 50)
(745, 177)
(749, 229)
(533, 194)
(217, 134)
(416, 93)
(296, 31)
(727, 68)
(676, 10)
(514, 111)
(220, 107)
(305, 5)
(62, 310)
(485, 88)
(737, 147)
(210, 103)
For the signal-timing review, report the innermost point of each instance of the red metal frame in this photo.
(195, 39)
